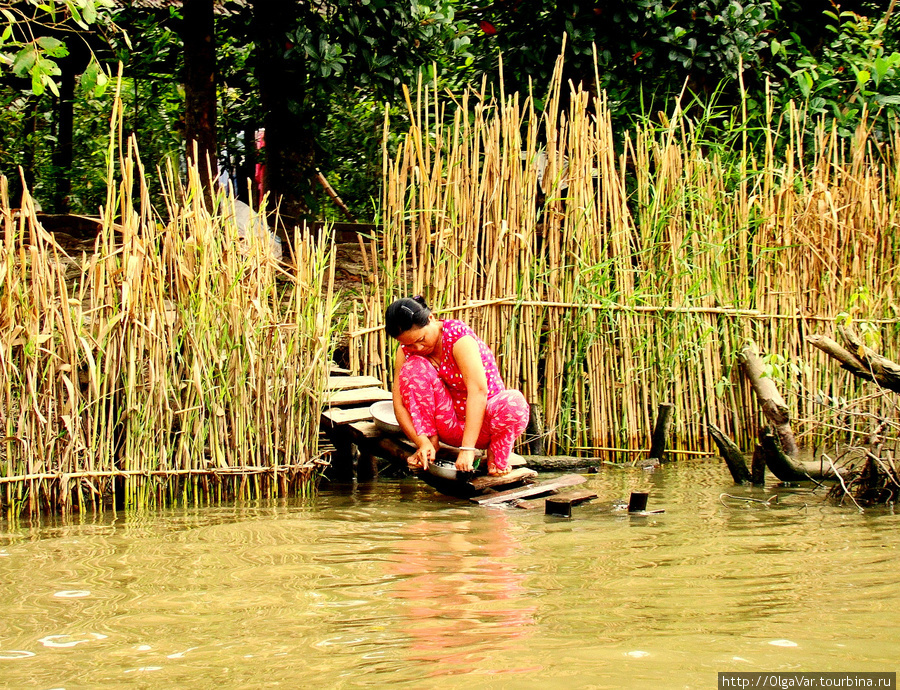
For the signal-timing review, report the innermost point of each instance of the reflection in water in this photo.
(460, 592)
(396, 585)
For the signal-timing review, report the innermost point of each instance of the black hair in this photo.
(406, 313)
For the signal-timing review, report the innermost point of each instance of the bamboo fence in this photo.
(177, 361)
(611, 271)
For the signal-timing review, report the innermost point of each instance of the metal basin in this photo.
(443, 470)
(384, 417)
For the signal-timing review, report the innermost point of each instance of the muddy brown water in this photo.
(392, 585)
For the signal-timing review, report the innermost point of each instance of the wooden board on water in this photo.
(513, 476)
(573, 498)
(357, 396)
(336, 383)
(549, 486)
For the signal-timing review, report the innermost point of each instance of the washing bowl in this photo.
(384, 417)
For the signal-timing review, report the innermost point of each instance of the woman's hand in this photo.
(423, 455)
(465, 461)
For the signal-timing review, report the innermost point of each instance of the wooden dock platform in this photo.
(347, 422)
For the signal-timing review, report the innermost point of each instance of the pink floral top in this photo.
(449, 371)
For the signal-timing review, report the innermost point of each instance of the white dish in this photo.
(384, 417)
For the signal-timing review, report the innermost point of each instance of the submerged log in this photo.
(778, 462)
(789, 469)
(661, 431)
(773, 405)
(559, 463)
(877, 482)
(732, 455)
(561, 504)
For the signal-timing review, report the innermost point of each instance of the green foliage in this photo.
(643, 47)
(346, 58)
(351, 152)
(374, 44)
(34, 32)
(853, 71)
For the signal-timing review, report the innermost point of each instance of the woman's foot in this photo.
(493, 470)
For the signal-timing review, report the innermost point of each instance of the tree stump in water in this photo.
(758, 466)
(732, 455)
(534, 432)
(661, 431)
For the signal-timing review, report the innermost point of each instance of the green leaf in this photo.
(76, 14)
(50, 84)
(863, 76)
(24, 61)
(52, 46)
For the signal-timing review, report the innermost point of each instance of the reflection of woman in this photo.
(447, 388)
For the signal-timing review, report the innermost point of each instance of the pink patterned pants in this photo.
(430, 405)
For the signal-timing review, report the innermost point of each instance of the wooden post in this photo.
(661, 431)
(773, 405)
(535, 431)
(758, 466)
(637, 502)
(732, 455)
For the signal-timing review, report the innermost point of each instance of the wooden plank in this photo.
(335, 370)
(550, 486)
(574, 497)
(517, 475)
(357, 396)
(337, 416)
(338, 383)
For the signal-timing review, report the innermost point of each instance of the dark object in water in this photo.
(732, 455)
(661, 432)
(558, 508)
(638, 501)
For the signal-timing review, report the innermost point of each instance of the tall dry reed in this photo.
(656, 254)
(177, 360)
